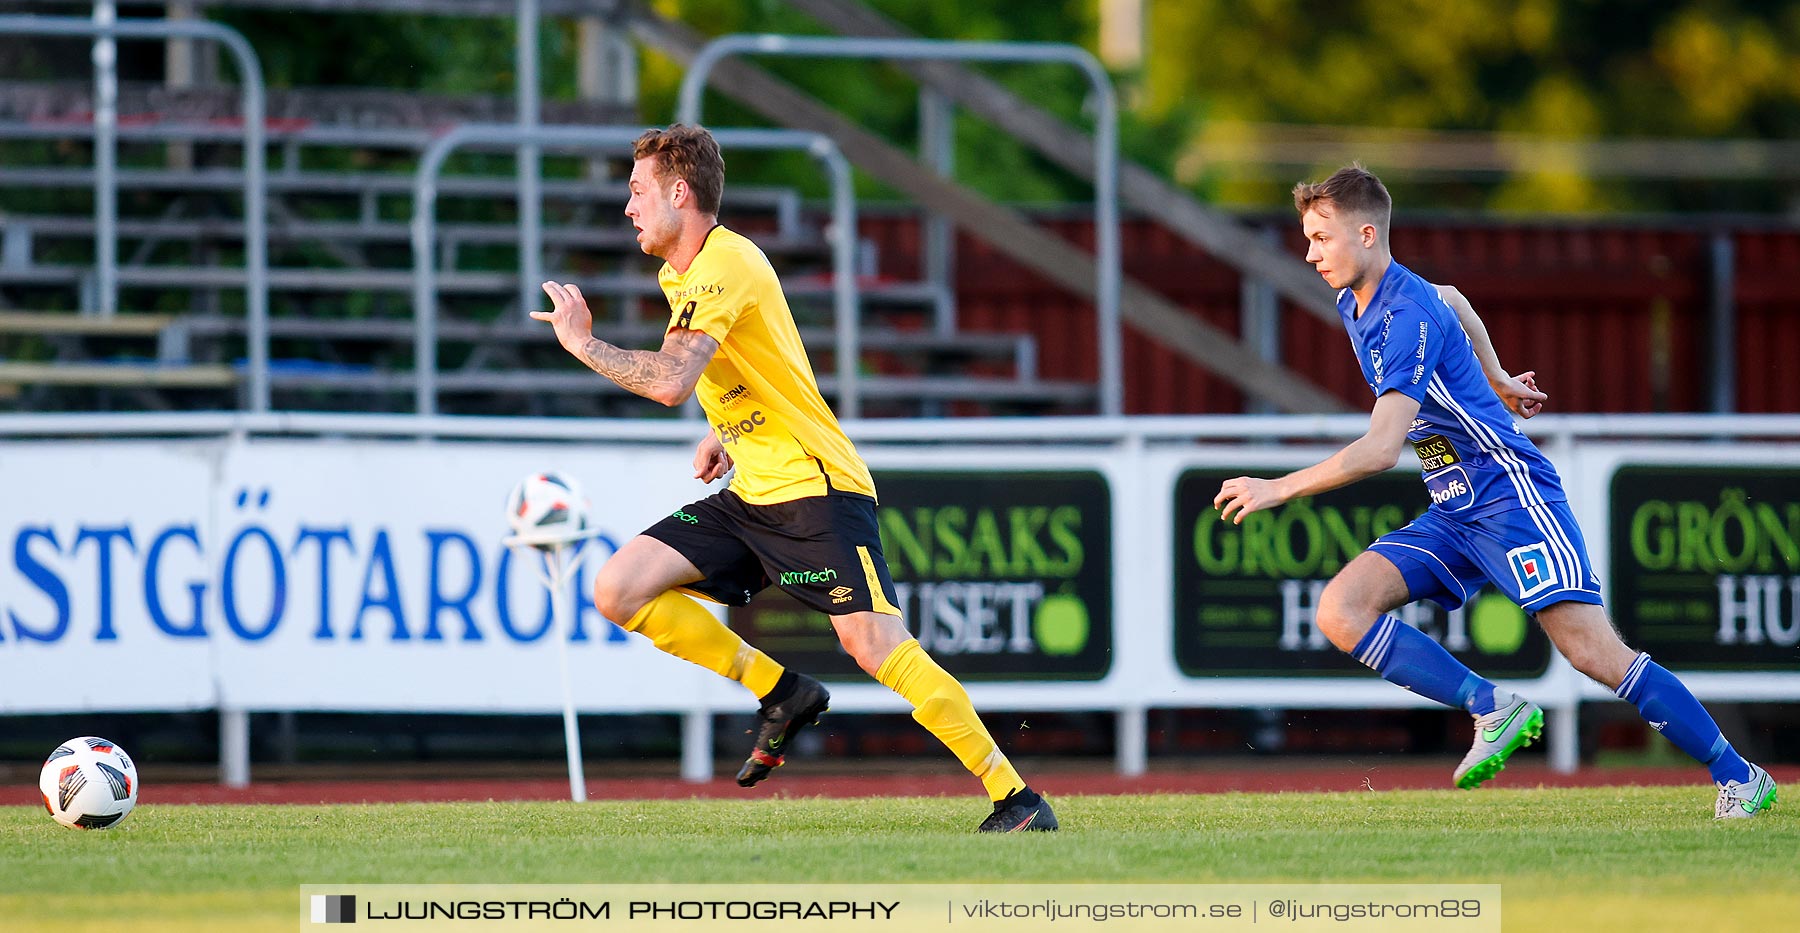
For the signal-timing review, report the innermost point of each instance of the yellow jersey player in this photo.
(800, 511)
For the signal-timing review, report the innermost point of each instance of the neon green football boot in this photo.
(1740, 800)
(1514, 724)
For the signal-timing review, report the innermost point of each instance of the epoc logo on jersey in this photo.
(729, 432)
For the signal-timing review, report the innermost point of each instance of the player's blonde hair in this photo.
(689, 153)
(1352, 189)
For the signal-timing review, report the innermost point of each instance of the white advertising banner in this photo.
(306, 574)
(360, 573)
(97, 540)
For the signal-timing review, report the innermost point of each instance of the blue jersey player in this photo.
(1498, 514)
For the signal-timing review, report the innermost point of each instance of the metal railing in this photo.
(1106, 142)
(425, 190)
(256, 240)
(1550, 432)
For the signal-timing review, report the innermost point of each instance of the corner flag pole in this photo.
(562, 556)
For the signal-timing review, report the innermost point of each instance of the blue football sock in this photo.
(1671, 709)
(1405, 656)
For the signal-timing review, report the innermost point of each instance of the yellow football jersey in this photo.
(759, 392)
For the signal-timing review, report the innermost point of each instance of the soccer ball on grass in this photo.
(88, 783)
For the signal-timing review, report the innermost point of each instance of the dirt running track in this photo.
(798, 783)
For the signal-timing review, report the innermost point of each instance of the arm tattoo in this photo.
(654, 374)
(638, 370)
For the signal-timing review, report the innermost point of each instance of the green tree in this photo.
(1215, 70)
(1706, 68)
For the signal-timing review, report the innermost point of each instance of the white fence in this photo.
(293, 562)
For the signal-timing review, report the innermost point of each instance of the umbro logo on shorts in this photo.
(841, 594)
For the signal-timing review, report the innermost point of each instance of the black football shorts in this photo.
(825, 551)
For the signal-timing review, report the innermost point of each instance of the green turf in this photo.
(1593, 859)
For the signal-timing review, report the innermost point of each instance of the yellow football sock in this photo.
(684, 628)
(942, 706)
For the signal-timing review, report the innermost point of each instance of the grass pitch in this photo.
(1634, 859)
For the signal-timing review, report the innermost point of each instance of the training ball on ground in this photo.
(546, 507)
(88, 783)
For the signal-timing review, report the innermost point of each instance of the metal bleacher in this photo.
(340, 281)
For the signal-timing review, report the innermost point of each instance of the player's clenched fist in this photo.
(710, 459)
(1242, 495)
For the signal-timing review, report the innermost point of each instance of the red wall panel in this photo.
(1768, 323)
(1614, 318)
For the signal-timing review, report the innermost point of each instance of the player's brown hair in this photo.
(689, 153)
(1352, 189)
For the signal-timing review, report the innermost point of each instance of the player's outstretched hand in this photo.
(1520, 394)
(710, 459)
(573, 321)
(1240, 496)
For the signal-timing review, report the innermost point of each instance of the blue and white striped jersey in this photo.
(1476, 462)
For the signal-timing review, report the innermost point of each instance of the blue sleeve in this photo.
(1410, 346)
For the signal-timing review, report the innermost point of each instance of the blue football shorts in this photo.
(1534, 555)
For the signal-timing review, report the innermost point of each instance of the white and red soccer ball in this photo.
(545, 508)
(88, 783)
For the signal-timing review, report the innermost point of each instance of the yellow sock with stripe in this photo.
(942, 706)
(683, 628)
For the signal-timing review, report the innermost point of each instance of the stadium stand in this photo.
(340, 196)
(340, 265)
